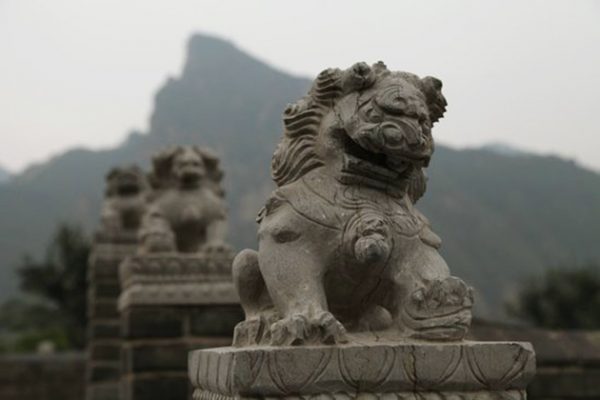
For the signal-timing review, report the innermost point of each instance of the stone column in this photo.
(104, 339)
(124, 204)
(170, 304)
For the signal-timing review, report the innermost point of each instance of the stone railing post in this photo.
(171, 304)
(104, 338)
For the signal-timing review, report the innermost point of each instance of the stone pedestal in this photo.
(171, 304)
(380, 370)
(104, 339)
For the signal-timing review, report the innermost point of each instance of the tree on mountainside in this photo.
(564, 298)
(54, 307)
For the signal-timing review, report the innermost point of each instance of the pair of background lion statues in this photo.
(178, 207)
(343, 253)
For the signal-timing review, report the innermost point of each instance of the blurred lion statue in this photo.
(125, 199)
(186, 213)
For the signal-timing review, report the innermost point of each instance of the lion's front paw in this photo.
(299, 329)
(249, 332)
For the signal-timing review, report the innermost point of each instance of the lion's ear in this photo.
(161, 167)
(211, 162)
(432, 88)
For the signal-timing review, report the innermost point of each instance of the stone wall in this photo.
(104, 330)
(157, 340)
(568, 362)
(42, 377)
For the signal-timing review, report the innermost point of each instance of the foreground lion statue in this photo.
(187, 211)
(342, 249)
(125, 199)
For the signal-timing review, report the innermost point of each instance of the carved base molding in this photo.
(478, 395)
(176, 279)
(408, 370)
(183, 294)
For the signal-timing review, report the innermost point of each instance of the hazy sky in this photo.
(83, 73)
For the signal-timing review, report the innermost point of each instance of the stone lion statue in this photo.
(125, 199)
(187, 211)
(342, 249)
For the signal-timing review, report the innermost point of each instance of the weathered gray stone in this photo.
(386, 369)
(342, 246)
(347, 296)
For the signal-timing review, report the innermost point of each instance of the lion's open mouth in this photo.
(190, 176)
(128, 188)
(397, 165)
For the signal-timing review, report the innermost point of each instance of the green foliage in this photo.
(562, 299)
(53, 307)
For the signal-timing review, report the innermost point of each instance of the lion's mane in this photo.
(295, 155)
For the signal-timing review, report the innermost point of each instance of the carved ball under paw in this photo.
(440, 311)
(443, 296)
(300, 329)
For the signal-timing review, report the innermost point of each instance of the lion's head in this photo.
(186, 167)
(364, 121)
(125, 182)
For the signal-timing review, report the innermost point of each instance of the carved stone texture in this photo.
(177, 279)
(125, 202)
(187, 211)
(390, 370)
(342, 247)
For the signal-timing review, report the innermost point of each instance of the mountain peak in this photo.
(504, 149)
(215, 58)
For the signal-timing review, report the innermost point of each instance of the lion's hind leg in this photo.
(254, 298)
